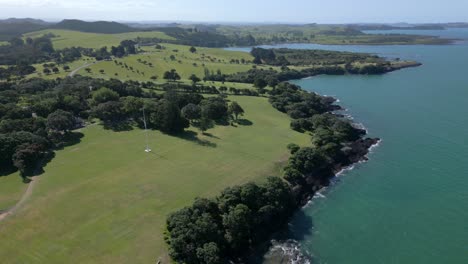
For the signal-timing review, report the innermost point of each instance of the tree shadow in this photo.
(6, 170)
(39, 170)
(119, 126)
(223, 121)
(210, 135)
(193, 137)
(69, 139)
(244, 122)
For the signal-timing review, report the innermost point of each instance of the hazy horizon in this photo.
(242, 11)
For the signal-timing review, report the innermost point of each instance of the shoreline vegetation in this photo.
(246, 216)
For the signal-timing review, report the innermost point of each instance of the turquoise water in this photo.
(409, 203)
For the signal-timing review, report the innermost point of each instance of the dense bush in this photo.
(214, 230)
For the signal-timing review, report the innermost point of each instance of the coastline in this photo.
(282, 248)
(360, 150)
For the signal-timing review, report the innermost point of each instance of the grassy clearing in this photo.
(11, 189)
(105, 200)
(69, 38)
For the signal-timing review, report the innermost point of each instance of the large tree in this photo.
(61, 121)
(104, 95)
(109, 112)
(171, 75)
(27, 156)
(235, 109)
(191, 112)
(194, 79)
(167, 117)
(214, 108)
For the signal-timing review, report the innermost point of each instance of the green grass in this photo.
(11, 190)
(105, 200)
(69, 38)
(61, 74)
(213, 59)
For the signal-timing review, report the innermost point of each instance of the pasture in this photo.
(69, 38)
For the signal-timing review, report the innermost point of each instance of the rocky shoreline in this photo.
(357, 152)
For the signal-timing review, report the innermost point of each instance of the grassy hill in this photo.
(103, 27)
(105, 200)
(10, 29)
(213, 59)
(69, 38)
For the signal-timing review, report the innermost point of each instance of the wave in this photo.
(286, 252)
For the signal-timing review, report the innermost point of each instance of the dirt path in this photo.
(4, 214)
(71, 74)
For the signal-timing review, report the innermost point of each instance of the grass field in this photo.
(11, 189)
(62, 73)
(185, 62)
(69, 38)
(105, 200)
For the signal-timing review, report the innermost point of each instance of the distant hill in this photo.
(104, 27)
(14, 20)
(14, 27)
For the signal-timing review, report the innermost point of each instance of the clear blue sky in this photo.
(297, 11)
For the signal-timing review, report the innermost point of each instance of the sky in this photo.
(260, 11)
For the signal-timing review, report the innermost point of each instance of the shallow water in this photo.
(409, 203)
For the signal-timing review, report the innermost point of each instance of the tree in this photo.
(171, 75)
(101, 71)
(61, 121)
(132, 106)
(293, 148)
(214, 108)
(191, 112)
(272, 81)
(204, 124)
(257, 60)
(88, 70)
(154, 77)
(260, 83)
(237, 224)
(209, 254)
(167, 117)
(46, 71)
(55, 70)
(104, 95)
(194, 79)
(193, 49)
(309, 161)
(27, 156)
(223, 89)
(235, 109)
(66, 68)
(109, 112)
